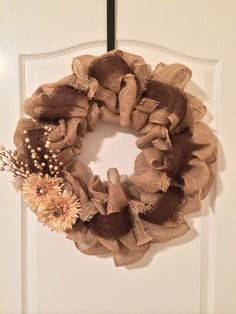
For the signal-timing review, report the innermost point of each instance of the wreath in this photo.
(172, 173)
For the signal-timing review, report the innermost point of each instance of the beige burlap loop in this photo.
(131, 59)
(140, 164)
(112, 245)
(196, 177)
(58, 132)
(87, 210)
(127, 99)
(159, 131)
(206, 188)
(100, 205)
(116, 196)
(151, 181)
(77, 188)
(61, 147)
(149, 157)
(147, 128)
(162, 233)
(108, 98)
(85, 240)
(172, 173)
(81, 64)
(206, 142)
(174, 121)
(138, 119)
(134, 191)
(67, 154)
(177, 75)
(80, 171)
(82, 127)
(154, 158)
(159, 117)
(66, 135)
(162, 144)
(195, 112)
(72, 130)
(97, 189)
(191, 204)
(129, 251)
(108, 116)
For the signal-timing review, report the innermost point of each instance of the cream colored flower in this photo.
(59, 212)
(37, 189)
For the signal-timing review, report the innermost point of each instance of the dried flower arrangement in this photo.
(172, 173)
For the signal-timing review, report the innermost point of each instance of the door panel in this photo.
(48, 255)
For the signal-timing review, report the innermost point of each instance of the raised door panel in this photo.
(173, 277)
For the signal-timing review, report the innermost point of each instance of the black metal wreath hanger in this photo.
(111, 7)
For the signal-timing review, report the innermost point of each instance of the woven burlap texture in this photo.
(172, 173)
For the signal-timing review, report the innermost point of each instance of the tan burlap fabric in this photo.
(172, 173)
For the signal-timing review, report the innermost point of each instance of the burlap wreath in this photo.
(172, 173)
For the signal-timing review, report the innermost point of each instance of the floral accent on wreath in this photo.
(37, 189)
(172, 173)
(59, 211)
(42, 193)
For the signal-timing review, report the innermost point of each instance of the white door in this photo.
(42, 272)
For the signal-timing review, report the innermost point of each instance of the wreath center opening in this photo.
(107, 147)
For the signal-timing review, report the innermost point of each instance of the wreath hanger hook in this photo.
(111, 6)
